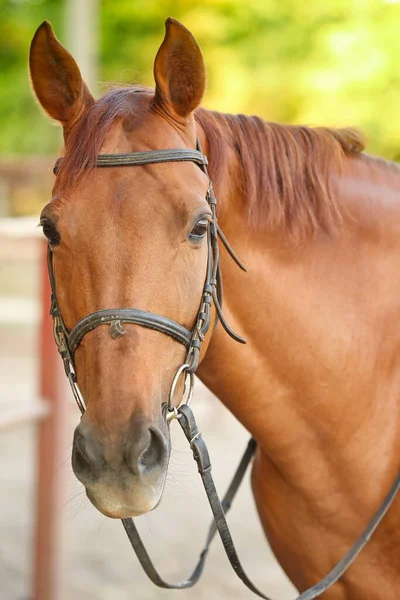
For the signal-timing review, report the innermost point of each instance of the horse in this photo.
(317, 223)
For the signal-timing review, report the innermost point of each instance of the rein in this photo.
(68, 341)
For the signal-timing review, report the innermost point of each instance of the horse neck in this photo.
(318, 367)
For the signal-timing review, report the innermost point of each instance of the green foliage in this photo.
(23, 128)
(329, 63)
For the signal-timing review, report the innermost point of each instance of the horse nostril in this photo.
(154, 453)
(84, 457)
(79, 460)
(146, 452)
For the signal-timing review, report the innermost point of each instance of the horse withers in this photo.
(317, 223)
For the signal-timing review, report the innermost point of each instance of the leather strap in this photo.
(219, 510)
(146, 158)
(200, 455)
(141, 551)
(128, 315)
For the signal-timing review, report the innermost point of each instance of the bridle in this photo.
(68, 341)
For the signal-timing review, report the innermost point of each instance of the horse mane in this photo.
(285, 171)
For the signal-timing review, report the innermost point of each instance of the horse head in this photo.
(125, 237)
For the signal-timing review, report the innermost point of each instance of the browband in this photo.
(146, 158)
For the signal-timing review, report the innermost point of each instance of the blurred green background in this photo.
(331, 62)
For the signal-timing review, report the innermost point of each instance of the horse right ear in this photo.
(179, 72)
(56, 78)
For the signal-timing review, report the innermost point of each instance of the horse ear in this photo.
(56, 78)
(179, 71)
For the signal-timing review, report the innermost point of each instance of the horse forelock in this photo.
(83, 143)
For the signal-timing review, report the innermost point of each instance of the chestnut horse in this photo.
(318, 384)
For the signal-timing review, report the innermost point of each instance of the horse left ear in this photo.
(179, 72)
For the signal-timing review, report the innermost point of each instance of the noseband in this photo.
(68, 341)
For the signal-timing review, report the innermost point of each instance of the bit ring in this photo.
(171, 407)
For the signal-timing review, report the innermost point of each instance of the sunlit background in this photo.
(328, 63)
(331, 62)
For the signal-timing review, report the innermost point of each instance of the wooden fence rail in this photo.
(49, 415)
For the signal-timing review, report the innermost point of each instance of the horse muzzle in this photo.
(123, 475)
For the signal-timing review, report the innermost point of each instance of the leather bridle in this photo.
(68, 342)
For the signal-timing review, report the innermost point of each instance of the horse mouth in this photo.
(117, 503)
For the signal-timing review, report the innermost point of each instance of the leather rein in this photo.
(68, 341)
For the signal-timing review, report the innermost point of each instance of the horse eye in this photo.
(50, 232)
(199, 230)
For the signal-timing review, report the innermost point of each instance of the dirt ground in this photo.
(97, 561)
